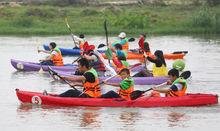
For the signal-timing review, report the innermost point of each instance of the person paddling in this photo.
(81, 40)
(126, 86)
(123, 40)
(94, 60)
(178, 85)
(55, 58)
(143, 46)
(120, 59)
(89, 80)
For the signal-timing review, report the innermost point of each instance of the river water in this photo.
(203, 60)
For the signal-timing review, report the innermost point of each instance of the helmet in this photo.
(179, 65)
(122, 35)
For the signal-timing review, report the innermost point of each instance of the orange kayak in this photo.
(132, 55)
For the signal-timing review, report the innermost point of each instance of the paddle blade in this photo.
(136, 94)
(101, 45)
(131, 39)
(108, 53)
(186, 74)
(41, 71)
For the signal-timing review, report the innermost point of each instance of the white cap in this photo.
(122, 35)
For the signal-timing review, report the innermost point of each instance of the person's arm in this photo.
(76, 84)
(75, 78)
(77, 38)
(156, 61)
(112, 84)
(117, 63)
(44, 51)
(161, 90)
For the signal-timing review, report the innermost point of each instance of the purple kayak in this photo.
(137, 80)
(31, 66)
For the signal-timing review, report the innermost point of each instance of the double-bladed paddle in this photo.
(138, 93)
(68, 26)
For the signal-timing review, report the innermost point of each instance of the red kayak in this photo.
(52, 99)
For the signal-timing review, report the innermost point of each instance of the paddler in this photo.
(143, 46)
(94, 59)
(55, 58)
(123, 40)
(89, 81)
(81, 40)
(120, 59)
(178, 85)
(126, 86)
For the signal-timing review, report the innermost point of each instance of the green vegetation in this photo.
(49, 20)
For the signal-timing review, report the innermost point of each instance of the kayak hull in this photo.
(31, 66)
(52, 99)
(137, 80)
(131, 55)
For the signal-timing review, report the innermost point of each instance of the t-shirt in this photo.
(89, 77)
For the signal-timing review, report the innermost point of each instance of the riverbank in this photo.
(159, 20)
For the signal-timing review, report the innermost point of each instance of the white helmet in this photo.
(122, 35)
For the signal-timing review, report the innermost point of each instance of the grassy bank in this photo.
(49, 20)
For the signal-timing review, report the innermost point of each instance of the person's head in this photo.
(159, 55)
(118, 46)
(122, 35)
(173, 74)
(143, 35)
(146, 46)
(82, 36)
(83, 64)
(52, 45)
(124, 73)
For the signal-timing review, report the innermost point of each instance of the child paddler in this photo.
(120, 59)
(126, 86)
(89, 81)
(178, 85)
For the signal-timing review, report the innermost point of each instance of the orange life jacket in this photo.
(126, 45)
(57, 59)
(181, 92)
(125, 94)
(92, 89)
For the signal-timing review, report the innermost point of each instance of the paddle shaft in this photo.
(106, 34)
(68, 26)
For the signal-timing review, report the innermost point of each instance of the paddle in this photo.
(41, 71)
(136, 94)
(103, 45)
(180, 52)
(106, 35)
(68, 26)
(135, 65)
(52, 72)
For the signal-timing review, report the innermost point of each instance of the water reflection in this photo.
(90, 117)
(176, 119)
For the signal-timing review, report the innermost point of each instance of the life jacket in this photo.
(124, 65)
(57, 59)
(126, 45)
(159, 71)
(98, 64)
(92, 89)
(81, 43)
(125, 94)
(181, 92)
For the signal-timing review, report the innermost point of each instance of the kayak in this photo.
(52, 99)
(31, 66)
(137, 80)
(131, 55)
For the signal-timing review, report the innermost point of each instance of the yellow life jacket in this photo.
(159, 71)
